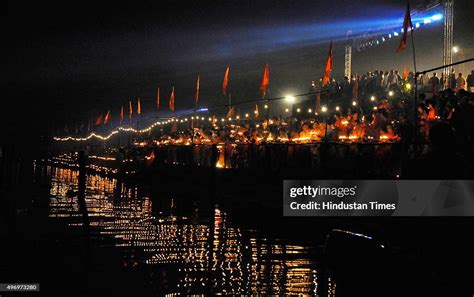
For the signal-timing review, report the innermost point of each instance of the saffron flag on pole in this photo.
(158, 99)
(196, 96)
(107, 117)
(121, 115)
(130, 109)
(98, 120)
(139, 108)
(226, 81)
(265, 81)
(171, 103)
(405, 73)
(328, 68)
(406, 25)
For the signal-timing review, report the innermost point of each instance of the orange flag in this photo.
(139, 108)
(98, 120)
(405, 73)
(328, 68)
(406, 24)
(256, 110)
(158, 99)
(121, 115)
(130, 109)
(196, 96)
(171, 103)
(226, 81)
(265, 81)
(107, 117)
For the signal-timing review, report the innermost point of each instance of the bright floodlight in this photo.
(427, 21)
(372, 98)
(324, 109)
(408, 86)
(337, 108)
(455, 49)
(290, 99)
(395, 33)
(417, 25)
(287, 110)
(390, 93)
(310, 110)
(298, 110)
(354, 103)
(437, 17)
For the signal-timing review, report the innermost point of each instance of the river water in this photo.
(168, 251)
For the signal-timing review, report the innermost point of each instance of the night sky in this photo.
(66, 62)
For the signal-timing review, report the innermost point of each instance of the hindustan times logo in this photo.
(309, 191)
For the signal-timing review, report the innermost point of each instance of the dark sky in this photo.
(68, 61)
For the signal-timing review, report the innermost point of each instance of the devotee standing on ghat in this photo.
(470, 81)
(460, 83)
(452, 80)
(434, 83)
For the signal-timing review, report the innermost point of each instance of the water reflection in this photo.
(176, 247)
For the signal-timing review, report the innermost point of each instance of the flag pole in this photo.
(416, 80)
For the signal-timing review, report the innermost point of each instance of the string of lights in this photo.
(166, 121)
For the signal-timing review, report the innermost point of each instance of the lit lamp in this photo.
(372, 98)
(390, 93)
(290, 99)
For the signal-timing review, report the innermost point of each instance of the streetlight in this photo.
(324, 109)
(455, 49)
(290, 99)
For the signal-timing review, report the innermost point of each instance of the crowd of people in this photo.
(375, 107)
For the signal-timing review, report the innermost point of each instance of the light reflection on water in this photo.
(242, 261)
